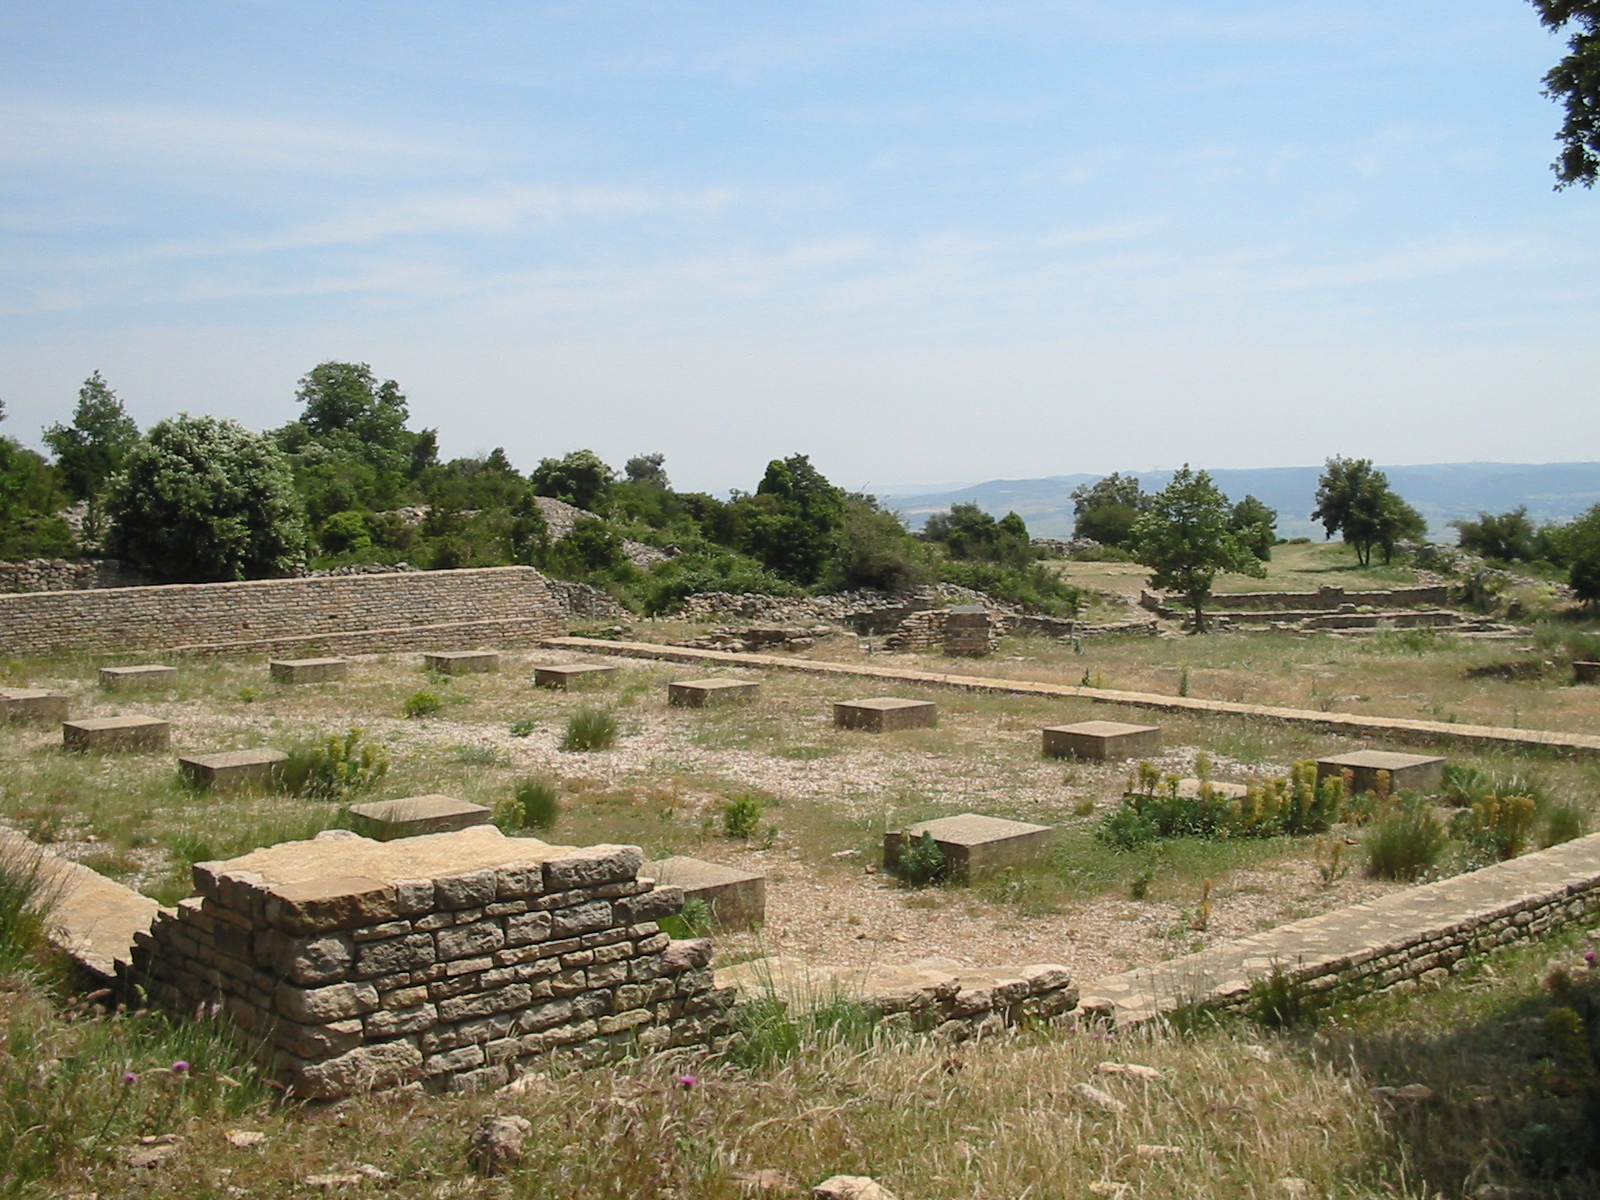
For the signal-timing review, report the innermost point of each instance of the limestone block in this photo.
(569, 677)
(230, 769)
(975, 844)
(411, 816)
(109, 735)
(885, 714)
(309, 670)
(319, 1005)
(704, 693)
(330, 902)
(1422, 773)
(1189, 789)
(118, 679)
(736, 899)
(32, 704)
(592, 866)
(366, 1068)
(1586, 672)
(463, 662)
(1103, 741)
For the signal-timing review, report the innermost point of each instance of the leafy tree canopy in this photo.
(579, 478)
(1505, 537)
(202, 499)
(30, 495)
(1185, 540)
(91, 449)
(647, 469)
(1107, 508)
(1575, 83)
(1355, 501)
(789, 524)
(1256, 524)
(967, 532)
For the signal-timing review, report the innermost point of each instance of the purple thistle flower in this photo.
(687, 1081)
(179, 1067)
(129, 1078)
(1589, 958)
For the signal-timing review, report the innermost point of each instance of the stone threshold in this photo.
(1406, 939)
(1398, 729)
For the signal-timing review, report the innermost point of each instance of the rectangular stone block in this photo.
(704, 693)
(463, 662)
(230, 769)
(309, 670)
(32, 704)
(574, 675)
(1103, 741)
(1421, 773)
(1585, 672)
(110, 735)
(737, 899)
(412, 816)
(118, 679)
(975, 844)
(885, 714)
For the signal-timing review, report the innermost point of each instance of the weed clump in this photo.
(741, 817)
(537, 803)
(1156, 807)
(333, 767)
(1405, 841)
(590, 729)
(26, 898)
(423, 704)
(692, 921)
(1563, 823)
(920, 862)
(522, 728)
(1497, 828)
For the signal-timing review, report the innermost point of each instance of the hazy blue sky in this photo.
(920, 241)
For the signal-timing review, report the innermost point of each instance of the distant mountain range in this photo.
(1442, 492)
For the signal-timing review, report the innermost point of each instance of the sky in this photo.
(921, 242)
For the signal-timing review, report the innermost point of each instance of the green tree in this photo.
(1505, 537)
(1257, 526)
(1184, 538)
(342, 397)
(647, 469)
(1354, 500)
(1579, 544)
(580, 478)
(91, 449)
(873, 549)
(202, 499)
(967, 532)
(1575, 82)
(792, 519)
(1106, 509)
(30, 495)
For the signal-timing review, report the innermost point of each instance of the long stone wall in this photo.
(66, 575)
(356, 614)
(1325, 599)
(454, 960)
(1417, 936)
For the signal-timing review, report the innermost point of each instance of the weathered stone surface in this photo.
(330, 902)
(308, 961)
(885, 714)
(591, 866)
(496, 1144)
(851, 1187)
(317, 1006)
(463, 662)
(410, 816)
(367, 1068)
(118, 679)
(309, 670)
(686, 954)
(1423, 773)
(1103, 741)
(975, 844)
(706, 693)
(736, 899)
(33, 704)
(567, 677)
(113, 735)
(231, 768)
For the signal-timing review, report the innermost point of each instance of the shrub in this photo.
(423, 704)
(920, 862)
(537, 803)
(333, 767)
(1405, 841)
(590, 729)
(741, 816)
(1498, 827)
(1154, 808)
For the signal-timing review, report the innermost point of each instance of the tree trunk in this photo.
(1199, 612)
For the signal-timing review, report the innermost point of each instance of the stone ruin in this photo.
(454, 961)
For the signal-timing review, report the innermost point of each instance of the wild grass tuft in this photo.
(1405, 842)
(423, 704)
(741, 816)
(26, 898)
(538, 804)
(590, 729)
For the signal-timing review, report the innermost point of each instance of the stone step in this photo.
(1102, 741)
(975, 845)
(309, 670)
(118, 679)
(463, 662)
(704, 693)
(33, 704)
(230, 768)
(111, 735)
(885, 714)
(569, 677)
(412, 816)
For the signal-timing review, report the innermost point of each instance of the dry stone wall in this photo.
(453, 960)
(1327, 599)
(66, 575)
(355, 614)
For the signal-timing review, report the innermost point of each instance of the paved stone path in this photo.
(1372, 946)
(1399, 729)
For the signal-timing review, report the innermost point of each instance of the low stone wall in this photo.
(455, 960)
(1404, 940)
(585, 602)
(1325, 599)
(355, 614)
(64, 575)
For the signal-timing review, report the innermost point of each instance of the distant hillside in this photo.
(1443, 492)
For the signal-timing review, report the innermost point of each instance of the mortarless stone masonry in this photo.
(454, 960)
(354, 614)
